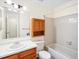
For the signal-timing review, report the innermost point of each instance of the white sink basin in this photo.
(17, 45)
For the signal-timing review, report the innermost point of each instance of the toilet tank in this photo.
(40, 45)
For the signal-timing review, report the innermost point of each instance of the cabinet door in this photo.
(26, 53)
(12, 57)
(42, 25)
(33, 56)
(37, 25)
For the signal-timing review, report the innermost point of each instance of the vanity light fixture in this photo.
(15, 6)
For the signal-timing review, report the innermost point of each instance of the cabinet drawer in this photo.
(28, 52)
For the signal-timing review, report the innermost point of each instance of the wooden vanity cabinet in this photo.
(29, 54)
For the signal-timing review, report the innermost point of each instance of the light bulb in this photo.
(15, 6)
(9, 2)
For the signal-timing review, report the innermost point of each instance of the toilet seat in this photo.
(44, 55)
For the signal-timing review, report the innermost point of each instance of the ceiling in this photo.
(47, 3)
(51, 3)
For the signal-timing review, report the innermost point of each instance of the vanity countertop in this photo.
(16, 47)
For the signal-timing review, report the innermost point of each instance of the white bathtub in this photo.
(60, 52)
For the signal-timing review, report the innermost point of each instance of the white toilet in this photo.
(40, 51)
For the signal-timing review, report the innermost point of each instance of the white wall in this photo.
(67, 31)
(49, 31)
(66, 9)
(24, 24)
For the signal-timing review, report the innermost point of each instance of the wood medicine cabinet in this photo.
(38, 27)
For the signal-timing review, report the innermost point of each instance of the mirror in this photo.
(12, 24)
(8, 23)
(0, 19)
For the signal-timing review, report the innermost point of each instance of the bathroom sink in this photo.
(20, 45)
(16, 46)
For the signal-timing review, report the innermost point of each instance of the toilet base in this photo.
(44, 55)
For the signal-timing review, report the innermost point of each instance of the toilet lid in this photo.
(44, 54)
